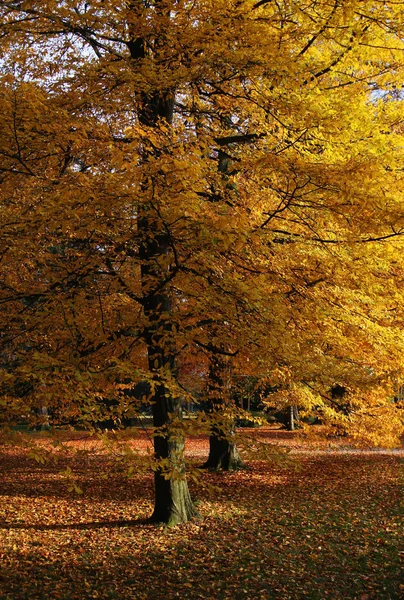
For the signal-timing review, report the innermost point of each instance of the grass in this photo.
(331, 528)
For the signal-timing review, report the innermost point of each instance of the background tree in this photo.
(223, 453)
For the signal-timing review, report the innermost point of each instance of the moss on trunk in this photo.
(173, 504)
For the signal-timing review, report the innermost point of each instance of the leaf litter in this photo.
(331, 526)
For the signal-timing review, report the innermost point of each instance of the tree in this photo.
(223, 453)
(171, 166)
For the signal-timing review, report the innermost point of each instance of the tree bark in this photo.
(292, 417)
(173, 504)
(223, 453)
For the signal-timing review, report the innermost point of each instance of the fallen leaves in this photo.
(331, 529)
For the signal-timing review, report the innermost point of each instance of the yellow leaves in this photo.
(269, 248)
(71, 483)
(36, 454)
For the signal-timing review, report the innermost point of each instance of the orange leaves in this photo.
(334, 525)
(239, 162)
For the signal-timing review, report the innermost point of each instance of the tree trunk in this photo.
(173, 503)
(223, 453)
(292, 418)
(44, 416)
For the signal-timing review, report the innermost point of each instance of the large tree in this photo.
(169, 167)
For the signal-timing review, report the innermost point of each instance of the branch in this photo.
(239, 139)
(214, 349)
(261, 3)
(321, 30)
(380, 238)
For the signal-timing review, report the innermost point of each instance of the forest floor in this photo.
(314, 522)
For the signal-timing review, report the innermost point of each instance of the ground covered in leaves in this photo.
(327, 524)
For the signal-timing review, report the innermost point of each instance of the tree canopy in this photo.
(182, 179)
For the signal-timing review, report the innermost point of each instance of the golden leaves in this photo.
(281, 161)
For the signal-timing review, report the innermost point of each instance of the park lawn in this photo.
(330, 525)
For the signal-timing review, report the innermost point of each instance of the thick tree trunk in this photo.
(172, 500)
(173, 503)
(223, 453)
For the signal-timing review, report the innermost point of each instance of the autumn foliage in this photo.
(186, 180)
